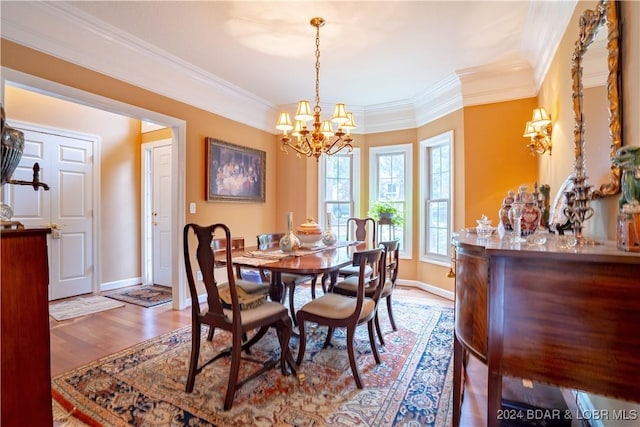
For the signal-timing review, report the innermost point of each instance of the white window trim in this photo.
(443, 138)
(406, 250)
(355, 185)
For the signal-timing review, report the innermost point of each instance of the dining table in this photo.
(315, 260)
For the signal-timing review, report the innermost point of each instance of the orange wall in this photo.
(496, 157)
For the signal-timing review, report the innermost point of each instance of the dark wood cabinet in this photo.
(25, 355)
(564, 317)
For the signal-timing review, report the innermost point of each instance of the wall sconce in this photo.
(539, 130)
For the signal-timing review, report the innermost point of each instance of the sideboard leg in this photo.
(494, 399)
(458, 380)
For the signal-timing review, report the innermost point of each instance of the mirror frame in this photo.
(604, 16)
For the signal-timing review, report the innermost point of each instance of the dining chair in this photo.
(360, 230)
(254, 287)
(238, 321)
(289, 280)
(349, 286)
(339, 311)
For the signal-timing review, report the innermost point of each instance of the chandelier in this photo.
(322, 139)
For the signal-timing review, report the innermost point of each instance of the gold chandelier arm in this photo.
(332, 149)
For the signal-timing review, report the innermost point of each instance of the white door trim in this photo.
(179, 128)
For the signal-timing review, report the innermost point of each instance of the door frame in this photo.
(146, 204)
(179, 150)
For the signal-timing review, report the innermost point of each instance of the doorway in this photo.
(178, 144)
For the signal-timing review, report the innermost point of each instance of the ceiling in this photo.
(396, 64)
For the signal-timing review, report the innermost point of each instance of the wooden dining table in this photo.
(312, 261)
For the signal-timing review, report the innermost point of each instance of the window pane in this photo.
(338, 194)
(391, 188)
(437, 199)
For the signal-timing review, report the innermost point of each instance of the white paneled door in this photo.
(161, 203)
(66, 165)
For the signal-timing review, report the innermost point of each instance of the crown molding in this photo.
(510, 79)
(548, 21)
(439, 100)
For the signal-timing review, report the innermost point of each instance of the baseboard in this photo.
(427, 288)
(117, 284)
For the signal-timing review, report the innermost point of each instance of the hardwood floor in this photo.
(78, 341)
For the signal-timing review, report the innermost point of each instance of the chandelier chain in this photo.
(317, 106)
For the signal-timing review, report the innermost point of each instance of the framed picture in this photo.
(234, 173)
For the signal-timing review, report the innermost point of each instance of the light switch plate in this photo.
(192, 208)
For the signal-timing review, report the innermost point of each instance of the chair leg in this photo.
(372, 341)
(327, 341)
(313, 286)
(377, 322)
(210, 334)
(393, 323)
(303, 341)
(193, 360)
(323, 281)
(352, 357)
(292, 309)
(232, 385)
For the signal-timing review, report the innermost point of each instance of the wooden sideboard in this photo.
(565, 317)
(25, 355)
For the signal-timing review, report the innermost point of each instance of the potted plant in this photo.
(385, 210)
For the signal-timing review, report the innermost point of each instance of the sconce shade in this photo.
(540, 117)
(529, 130)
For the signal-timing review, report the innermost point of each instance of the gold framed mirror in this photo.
(597, 53)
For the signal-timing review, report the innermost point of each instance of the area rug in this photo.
(144, 385)
(81, 307)
(144, 295)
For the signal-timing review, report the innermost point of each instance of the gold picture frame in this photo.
(234, 172)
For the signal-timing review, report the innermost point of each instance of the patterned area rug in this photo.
(144, 295)
(144, 385)
(82, 306)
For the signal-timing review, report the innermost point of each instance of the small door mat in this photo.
(143, 295)
(69, 309)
